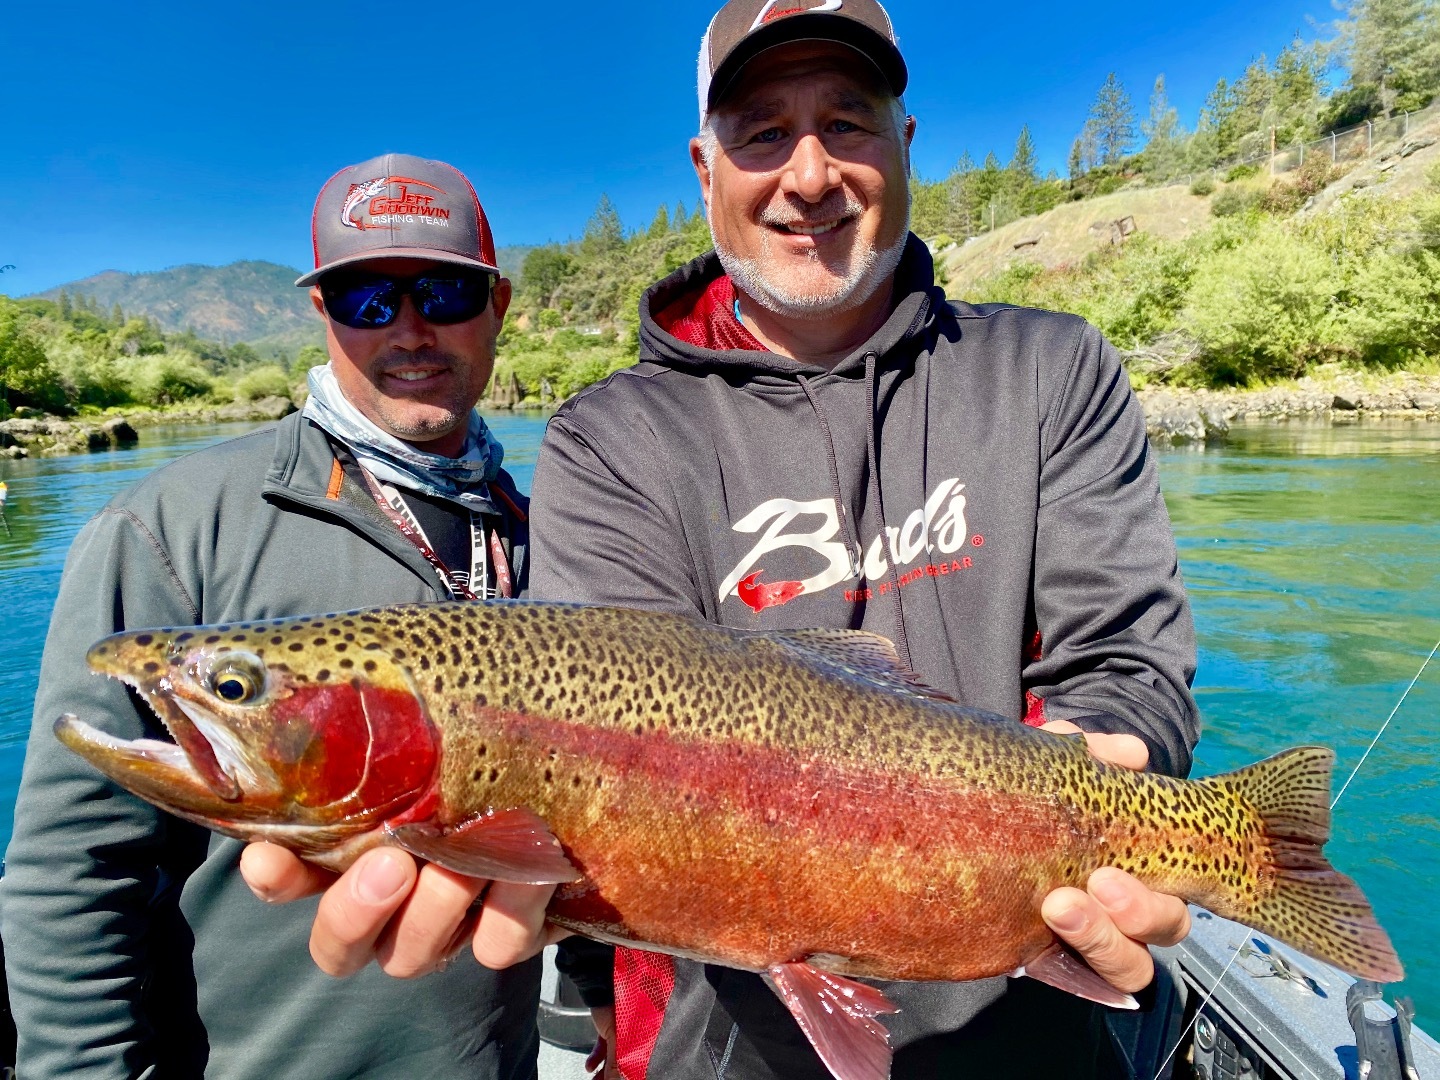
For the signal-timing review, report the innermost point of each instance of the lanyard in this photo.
(503, 581)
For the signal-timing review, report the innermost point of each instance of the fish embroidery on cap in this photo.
(385, 209)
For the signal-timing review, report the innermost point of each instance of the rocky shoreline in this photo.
(1173, 415)
(29, 435)
(1176, 415)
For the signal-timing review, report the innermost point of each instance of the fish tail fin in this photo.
(1310, 904)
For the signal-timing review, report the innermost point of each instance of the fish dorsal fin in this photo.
(837, 1015)
(858, 654)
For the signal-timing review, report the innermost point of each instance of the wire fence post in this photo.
(1332, 148)
(1369, 136)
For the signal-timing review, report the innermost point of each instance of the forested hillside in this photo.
(1269, 275)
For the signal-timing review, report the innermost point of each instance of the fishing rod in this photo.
(1353, 772)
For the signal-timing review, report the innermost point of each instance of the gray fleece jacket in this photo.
(974, 483)
(132, 945)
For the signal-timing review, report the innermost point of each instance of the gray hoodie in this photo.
(132, 945)
(974, 483)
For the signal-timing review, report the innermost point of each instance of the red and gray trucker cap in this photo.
(742, 29)
(399, 206)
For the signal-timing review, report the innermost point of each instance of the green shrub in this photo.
(26, 377)
(167, 378)
(1241, 172)
(549, 319)
(1202, 185)
(1263, 310)
(1234, 200)
(268, 380)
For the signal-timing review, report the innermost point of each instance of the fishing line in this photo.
(1386, 724)
(1225, 970)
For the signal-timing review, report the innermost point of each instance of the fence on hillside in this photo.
(1352, 144)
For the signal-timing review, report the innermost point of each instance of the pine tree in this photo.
(116, 315)
(1114, 120)
(1076, 164)
(1162, 133)
(66, 310)
(604, 233)
(1021, 173)
(1395, 46)
(661, 225)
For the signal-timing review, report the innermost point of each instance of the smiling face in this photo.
(413, 379)
(806, 184)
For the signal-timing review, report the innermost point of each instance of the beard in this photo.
(856, 277)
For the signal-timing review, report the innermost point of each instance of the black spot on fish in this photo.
(494, 774)
(549, 776)
(151, 667)
(439, 683)
(370, 665)
(323, 675)
(347, 663)
(212, 639)
(184, 638)
(277, 640)
(297, 646)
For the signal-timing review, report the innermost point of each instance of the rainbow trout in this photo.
(791, 803)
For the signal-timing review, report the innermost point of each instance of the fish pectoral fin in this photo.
(837, 1015)
(1064, 970)
(504, 845)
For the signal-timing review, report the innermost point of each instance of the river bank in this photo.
(1179, 415)
(1173, 415)
(48, 436)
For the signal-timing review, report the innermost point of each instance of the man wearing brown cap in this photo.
(133, 947)
(817, 436)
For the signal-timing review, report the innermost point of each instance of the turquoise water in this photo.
(1312, 555)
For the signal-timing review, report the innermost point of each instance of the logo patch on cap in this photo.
(772, 11)
(385, 209)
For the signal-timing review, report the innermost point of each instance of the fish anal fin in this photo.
(504, 845)
(1309, 905)
(838, 1016)
(1057, 966)
(860, 654)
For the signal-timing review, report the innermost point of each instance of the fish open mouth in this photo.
(160, 772)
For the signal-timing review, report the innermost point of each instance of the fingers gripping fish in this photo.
(790, 803)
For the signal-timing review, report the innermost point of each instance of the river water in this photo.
(1312, 555)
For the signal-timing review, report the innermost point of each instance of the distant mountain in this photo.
(253, 302)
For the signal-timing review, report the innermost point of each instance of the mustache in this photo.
(831, 208)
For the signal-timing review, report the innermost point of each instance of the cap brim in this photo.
(816, 26)
(428, 254)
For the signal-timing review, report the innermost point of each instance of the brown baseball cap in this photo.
(742, 29)
(399, 206)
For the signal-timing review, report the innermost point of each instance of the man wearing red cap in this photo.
(817, 436)
(133, 947)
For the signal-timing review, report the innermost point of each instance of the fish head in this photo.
(307, 723)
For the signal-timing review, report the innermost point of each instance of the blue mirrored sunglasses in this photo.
(364, 300)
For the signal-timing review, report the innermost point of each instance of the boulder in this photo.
(1343, 404)
(119, 431)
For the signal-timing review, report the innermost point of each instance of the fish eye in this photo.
(237, 678)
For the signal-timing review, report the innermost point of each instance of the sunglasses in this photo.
(367, 300)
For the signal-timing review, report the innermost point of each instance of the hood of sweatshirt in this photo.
(915, 300)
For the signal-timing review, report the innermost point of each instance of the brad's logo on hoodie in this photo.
(939, 525)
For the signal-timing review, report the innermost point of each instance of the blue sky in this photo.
(144, 135)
